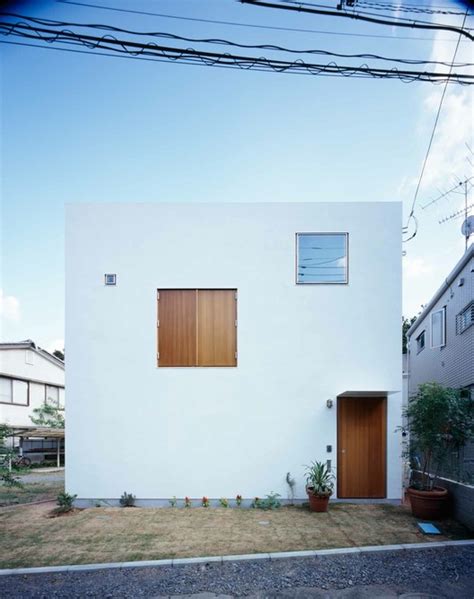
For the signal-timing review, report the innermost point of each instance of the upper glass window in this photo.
(321, 258)
(438, 328)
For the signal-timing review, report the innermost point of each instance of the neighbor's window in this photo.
(321, 258)
(197, 327)
(13, 391)
(52, 395)
(465, 318)
(420, 342)
(438, 328)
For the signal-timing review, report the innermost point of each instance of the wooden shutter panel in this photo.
(177, 327)
(216, 327)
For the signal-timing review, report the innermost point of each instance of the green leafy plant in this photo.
(173, 501)
(49, 414)
(187, 502)
(271, 502)
(290, 481)
(223, 502)
(127, 500)
(65, 502)
(319, 479)
(205, 502)
(6, 457)
(439, 420)
(238, 500)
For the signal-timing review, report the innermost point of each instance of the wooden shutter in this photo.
(177, 327)
(216, 327)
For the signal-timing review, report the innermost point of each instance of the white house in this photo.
(215, 347)
(29, 376)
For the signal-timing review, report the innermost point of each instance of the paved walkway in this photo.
(424, 573)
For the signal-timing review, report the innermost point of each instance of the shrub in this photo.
(238, 500)
(440, 420)
(223, 502)
(127, 500)
(173, 501)
(65, 502)
(205, 502)
(271, 502)
(187, 502)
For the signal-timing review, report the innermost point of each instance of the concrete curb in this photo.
(233, 558)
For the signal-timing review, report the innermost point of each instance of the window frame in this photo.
(234, 290)
(14, 403)
(460, 329)
(346, 247)
(58, 389)
(419, 349)
(443, 343)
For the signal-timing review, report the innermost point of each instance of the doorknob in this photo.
(343, 451)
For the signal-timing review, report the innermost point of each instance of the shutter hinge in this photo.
(235, 355)
(157, 323)
(158, 355)
(157, 295)
(236, 323)
(235, 295)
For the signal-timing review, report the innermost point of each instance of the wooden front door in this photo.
(361, 447)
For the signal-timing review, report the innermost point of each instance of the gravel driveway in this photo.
(443, 572)
(42, 477)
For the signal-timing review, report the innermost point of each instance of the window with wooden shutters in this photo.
(197, 327)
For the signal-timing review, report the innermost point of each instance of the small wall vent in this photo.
(110, 279)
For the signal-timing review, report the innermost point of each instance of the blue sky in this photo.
(77, 127)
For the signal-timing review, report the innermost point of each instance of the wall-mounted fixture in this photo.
(461, 282)
(329, 448)
(110, 279)
(329, 403)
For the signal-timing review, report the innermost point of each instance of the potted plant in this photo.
(439, 421)
(319, 486)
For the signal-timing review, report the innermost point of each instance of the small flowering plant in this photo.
(187, 502)
(238, 500)
(205, 502)
(173, 501)
(224, 502)
(256, 502)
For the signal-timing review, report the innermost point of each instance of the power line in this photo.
(248, 25)
(220, 41)
(191, 55)
(411, 215)
(355, 7)
(360, 17)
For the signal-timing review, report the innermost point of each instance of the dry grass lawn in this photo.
(31, 538)
(29, 493)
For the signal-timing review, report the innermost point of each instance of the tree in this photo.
(49, 414)
(59, 354)
(406, 324)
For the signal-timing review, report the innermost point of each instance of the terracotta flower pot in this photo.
(317, 503)
(429, 505)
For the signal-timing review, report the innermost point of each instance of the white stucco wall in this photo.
(160, 432)
(31, 366)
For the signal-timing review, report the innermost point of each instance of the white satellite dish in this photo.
(467, 228)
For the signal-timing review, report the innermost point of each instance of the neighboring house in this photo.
(29, 376)
(441, 349)
(441, 340)
(215, 347)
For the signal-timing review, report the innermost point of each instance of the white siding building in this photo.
(28, 376)
(215, 347)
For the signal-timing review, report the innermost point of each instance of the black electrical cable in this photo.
(217, 59)
(359, 17)
(220, 41)
(248, 25)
